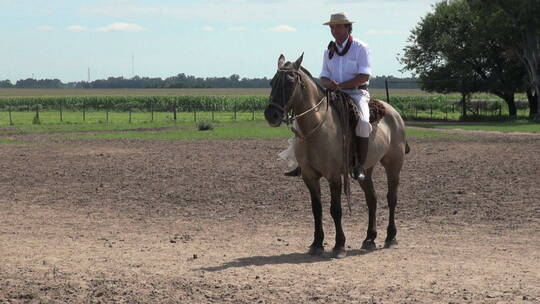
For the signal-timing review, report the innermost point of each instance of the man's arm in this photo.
(353, 83)
(349, 84)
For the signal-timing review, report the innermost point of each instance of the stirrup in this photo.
(295, 172)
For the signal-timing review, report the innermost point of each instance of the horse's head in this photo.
(285, 84)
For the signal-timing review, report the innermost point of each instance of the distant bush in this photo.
(205, 126)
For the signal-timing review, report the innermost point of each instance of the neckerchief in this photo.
(332, 48)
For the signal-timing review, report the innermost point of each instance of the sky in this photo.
(206, 38)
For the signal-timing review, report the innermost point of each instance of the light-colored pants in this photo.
(361, 98)
(363, 128)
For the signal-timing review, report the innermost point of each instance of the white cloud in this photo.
(208, 29)
(121, 27)
(385, 32)
(45, 28)
(77, 28)
(237, 29)
(114, 27)
(283, 28)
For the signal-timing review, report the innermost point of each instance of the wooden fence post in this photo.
(37, 113)
(387, 95)
(174, 110)
(61, 118)
(10, 120)
(152, 109)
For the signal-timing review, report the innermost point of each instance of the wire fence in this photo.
(136, 109)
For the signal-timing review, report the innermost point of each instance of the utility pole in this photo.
(132, 65)
(88, 75)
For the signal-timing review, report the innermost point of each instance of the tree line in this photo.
(471, 46)
(179, 81)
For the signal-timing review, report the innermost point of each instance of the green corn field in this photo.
(158, 108)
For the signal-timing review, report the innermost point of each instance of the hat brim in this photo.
(338, 22)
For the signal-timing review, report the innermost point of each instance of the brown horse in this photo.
(319, 150)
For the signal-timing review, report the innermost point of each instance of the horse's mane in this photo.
(319, 86)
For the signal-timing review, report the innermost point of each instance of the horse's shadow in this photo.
(289, 258)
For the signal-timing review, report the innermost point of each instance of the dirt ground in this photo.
(99, 221)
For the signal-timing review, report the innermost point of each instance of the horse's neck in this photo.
(310, 96)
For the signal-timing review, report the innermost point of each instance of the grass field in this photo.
(189, 130)
(240, 130)
(505, 126)
(232, 110)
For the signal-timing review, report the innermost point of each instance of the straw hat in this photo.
(339, 18)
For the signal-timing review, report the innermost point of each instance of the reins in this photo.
(288, 111)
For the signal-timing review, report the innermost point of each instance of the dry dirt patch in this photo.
(214, 221)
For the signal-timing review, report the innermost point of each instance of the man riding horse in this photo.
(346, 67)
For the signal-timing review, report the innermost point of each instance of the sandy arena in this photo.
(133, 221)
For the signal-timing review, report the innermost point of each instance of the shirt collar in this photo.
(343, 44)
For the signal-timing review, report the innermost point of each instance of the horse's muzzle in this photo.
(273, 116)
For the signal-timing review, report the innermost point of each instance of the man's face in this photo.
(339, 31)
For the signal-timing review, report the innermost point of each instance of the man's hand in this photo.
(334, 86)
(330, 84)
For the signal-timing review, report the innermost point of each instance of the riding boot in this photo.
(294, 172)
(361, 156)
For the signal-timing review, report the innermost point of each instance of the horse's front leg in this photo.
(335, 209)
(314, 186)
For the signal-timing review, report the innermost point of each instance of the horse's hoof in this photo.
(316, 251)
(390, 244)
(339, 253)
(369, 245)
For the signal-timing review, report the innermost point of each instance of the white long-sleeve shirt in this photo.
(343, 68)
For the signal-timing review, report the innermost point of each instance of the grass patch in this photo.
(506, 127)
(7, 141)
(239, 130)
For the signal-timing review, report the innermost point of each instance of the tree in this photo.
(439, 53)
(521, 16)
(5, 83)
(454, 43)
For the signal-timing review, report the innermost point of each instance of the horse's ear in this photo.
(281, 61)
(298, 62)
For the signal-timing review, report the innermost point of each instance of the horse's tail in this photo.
(407, 148)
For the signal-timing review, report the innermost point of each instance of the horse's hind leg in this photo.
(314, 186)
(392, 166)
(371, 200)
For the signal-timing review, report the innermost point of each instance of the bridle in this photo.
(288, 111)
